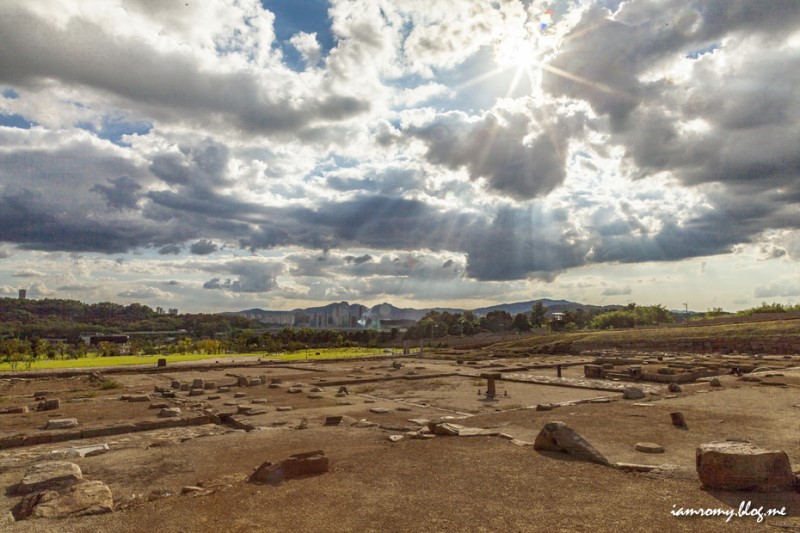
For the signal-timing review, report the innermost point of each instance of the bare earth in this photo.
(441, 484)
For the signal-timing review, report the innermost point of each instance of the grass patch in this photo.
(124, 360)
(365, 389)
(109, 384)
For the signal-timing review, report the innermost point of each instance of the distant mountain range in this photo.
(344, 314)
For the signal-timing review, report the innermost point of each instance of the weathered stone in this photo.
(419, 421)
(379, 410)
(254, 382)
(139, 398)
(170, 412)
(185, 387)
(193, 490)
(632, 393)
(224, 389)
(62, 423)
(197, 392)
(544, 407)
(743, 466)
(158, 405)
(275, 385)
(176, 384)
(394, 438)
(259, 400)
(210, 385)
(333, 420)
(88, 498)
(81, 451)
(674, 387)
(243, 381)
(294, 390)
(364, 423)
(558, 437)
(648, 447)
(678, 420)
(715, 382)
(285, 408)
(213, 397)
(477, 432)
(447, 429)
(404, 408)
(298, 465)
(49, 405)
(239, 395)
(49, 475)
(317, 389)
(198, 383)
(15, 410)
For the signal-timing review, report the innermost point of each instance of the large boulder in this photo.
(87, 498)
(558, 437)
(50, 475)
(743, 466)
(297, 465)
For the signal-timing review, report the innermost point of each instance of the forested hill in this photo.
(70, 318)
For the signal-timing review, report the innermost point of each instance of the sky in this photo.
(220, 155)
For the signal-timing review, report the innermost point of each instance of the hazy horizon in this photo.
(219, 155)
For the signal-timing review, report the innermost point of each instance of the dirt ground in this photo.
(441, 484)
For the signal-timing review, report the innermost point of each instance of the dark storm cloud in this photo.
(122, 194)
(495, 150)
(170, 249)
(203, 247)
(168, 84)
(358, 260)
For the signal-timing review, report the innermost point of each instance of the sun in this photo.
(516, 51)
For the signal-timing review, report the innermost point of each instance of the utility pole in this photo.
(686, 306)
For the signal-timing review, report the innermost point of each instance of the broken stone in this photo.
(715, 382)
(275, 385)
(743, 466)
(419, 421)
(678, 420)
(158, 406)
(185, 387)
(317, 389)
(558, 437)
(255, 412)
(197, 392)
(446, 429)
(379, 410)
(404, 408)
(170, 412)
(139, 398)
(224, 389)
(87, 498)
(395, 438)
(254, 381)
(198, 383)
(259, 400)
(239, 395)
(48, 405)
(210, 385)
(298, 465)
(62, 423)
(648, 447)
(364, 423)
(294, 390)
(15, 410)
(333, 420)
(176, 384)
(213, 397)
(632, 393)
(674, 387)
(82, 451)
(6, 519)
(285, 408)
(50, 475)
(544, 407)
(191, 489)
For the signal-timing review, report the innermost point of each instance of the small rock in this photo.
(333, 420)
(404, 408)
(243, 408)
(317, 389)
(395, 438)
(674, 387)
(239, 395)
(544, 407)
(48, 405)
(223, 389)
(139, 398)
(191, 489)
(258, 400)
(87, 498)
(158, 406)
(364, 423)
(558, 437)
(197, 392)
(198, 383)
(170, 412)
(275, 385)
(294, 390)
(632, 393)
(213, 397)
(176, 384)
(715, 383)
(210, 385)
(648, 447)
(285, 408)
(379, 410)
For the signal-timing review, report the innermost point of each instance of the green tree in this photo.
(538, 314)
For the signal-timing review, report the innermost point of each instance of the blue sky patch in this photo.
(11, 94)
(294, 16)
(16, 121)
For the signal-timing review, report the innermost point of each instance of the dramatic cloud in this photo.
(461, 152)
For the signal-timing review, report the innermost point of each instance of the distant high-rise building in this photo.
(23, 293)
(173, 311)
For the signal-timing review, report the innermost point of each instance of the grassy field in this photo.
(750, 330)
(121, 360)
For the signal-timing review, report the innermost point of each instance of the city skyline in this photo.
(225, 155)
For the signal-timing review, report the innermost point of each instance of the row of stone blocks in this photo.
(15, 441)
